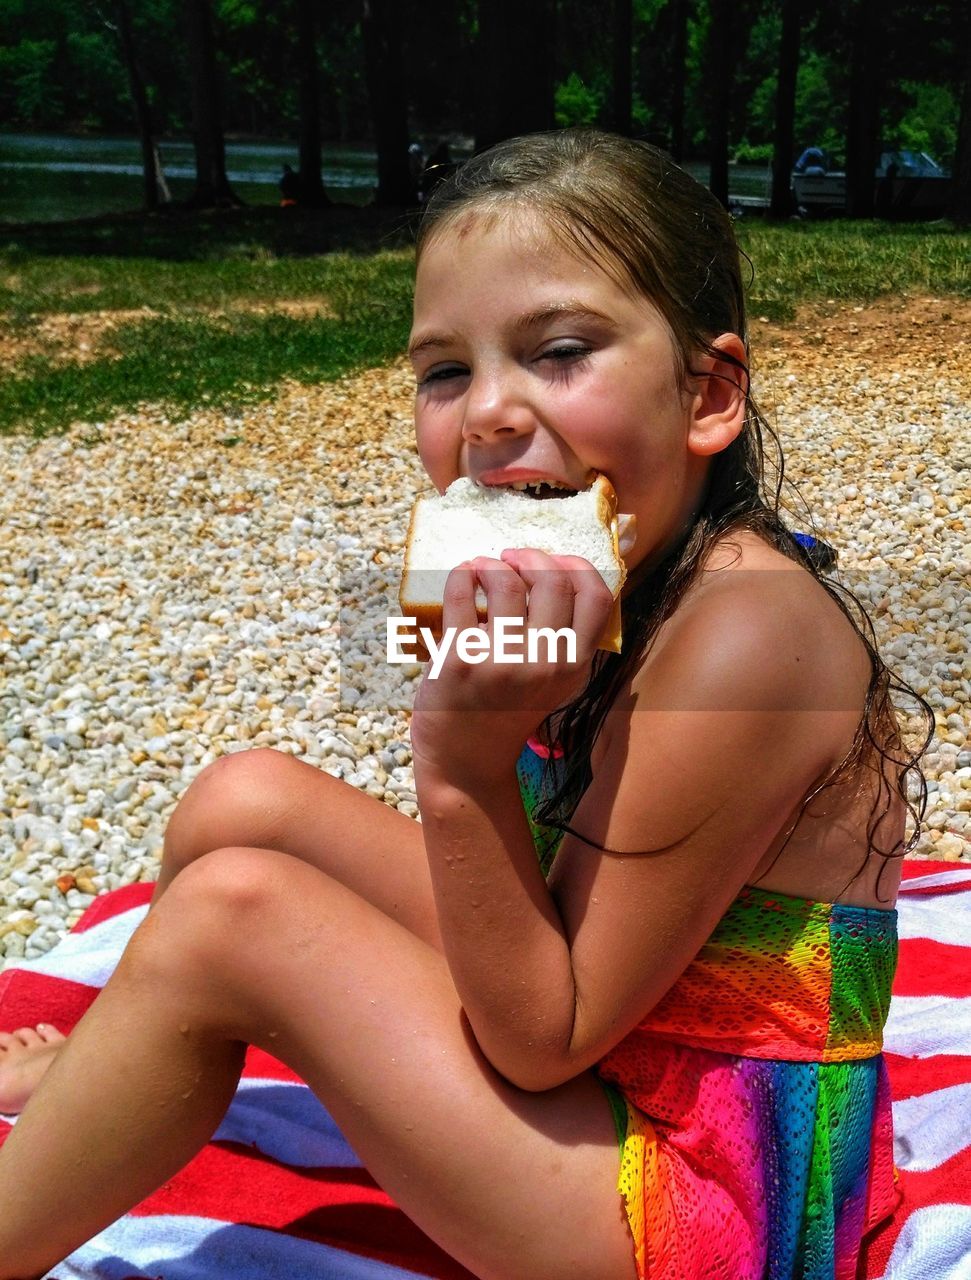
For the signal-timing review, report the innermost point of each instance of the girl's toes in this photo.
(49, 1034)
(25, 1055)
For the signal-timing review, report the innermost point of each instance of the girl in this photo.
(698, 962)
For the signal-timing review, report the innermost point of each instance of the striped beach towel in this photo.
(278, 1194)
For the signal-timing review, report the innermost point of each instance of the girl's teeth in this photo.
(537, 485)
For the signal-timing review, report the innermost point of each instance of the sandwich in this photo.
(469, 520)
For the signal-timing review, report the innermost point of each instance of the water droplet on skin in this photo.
(273, 1034)
(184, 1028)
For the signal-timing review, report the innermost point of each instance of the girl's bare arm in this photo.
(720, 740)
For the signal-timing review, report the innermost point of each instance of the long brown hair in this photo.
(629, 208)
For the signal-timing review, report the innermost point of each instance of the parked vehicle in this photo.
(907, 184)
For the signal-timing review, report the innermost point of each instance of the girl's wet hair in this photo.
(629, 208)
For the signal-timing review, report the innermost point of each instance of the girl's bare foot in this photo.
(24, 1057)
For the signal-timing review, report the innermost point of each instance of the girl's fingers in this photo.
(542, 590)
(468, 584)
(564, 591)
(505, 590)
(458, 598)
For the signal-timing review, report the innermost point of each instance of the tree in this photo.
(515, 54)
(862, 135)
(439, 42)
(384, 65)
(212, 185)
(780, 204)
(622, 48)
(156, 188)
(679, 71)
(312, 191)
(720, 70)
(959, 206)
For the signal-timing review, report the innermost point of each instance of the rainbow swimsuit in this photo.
(752, 1102)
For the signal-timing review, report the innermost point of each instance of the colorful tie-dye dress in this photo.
(753, 1103)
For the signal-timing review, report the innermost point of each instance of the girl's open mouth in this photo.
(542, 489)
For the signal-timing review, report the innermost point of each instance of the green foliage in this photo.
(577, 103)
(440, 67)
(929, 121)
(27, 96)
(237, 14)
(346, 113)
(754, 51)
(696, 102)
(757, 123)
(93, 55)
(647, 12)
(60, 68)
(752, 153)
(821, 86)
(651, 108)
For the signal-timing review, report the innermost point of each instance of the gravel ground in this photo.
(172, 590)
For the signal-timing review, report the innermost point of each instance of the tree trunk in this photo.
(156, 188)
(959, 205)
(720, 68)
(212, 186)
(515, 57)
(781, 203)
(623, 49)
(862, 141)
(312, 191)
(385, 70)
(679, 54)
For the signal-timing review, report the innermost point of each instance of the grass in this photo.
(851, 261)
(202, 277)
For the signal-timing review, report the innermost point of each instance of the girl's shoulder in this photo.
(755, 628)
(759, 658)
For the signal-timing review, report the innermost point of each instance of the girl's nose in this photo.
(493, 408)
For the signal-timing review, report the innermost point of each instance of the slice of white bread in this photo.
(469, 520)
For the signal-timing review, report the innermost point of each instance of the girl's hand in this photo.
(473, 718)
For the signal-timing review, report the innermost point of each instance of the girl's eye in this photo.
(443, 374)
(565, 353)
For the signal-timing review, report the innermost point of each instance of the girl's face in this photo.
(534, 364)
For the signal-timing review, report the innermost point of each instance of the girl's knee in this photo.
(235, 801)
(232, 881)
(217, 902)
(204, 939)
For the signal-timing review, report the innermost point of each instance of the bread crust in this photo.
(428, 613)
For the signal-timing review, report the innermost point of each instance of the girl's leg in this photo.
(264, 798)
(518, 1186)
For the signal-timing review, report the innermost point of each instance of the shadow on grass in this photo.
(185, 235)
(185, 363)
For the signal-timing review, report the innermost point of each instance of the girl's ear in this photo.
(718, 397)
